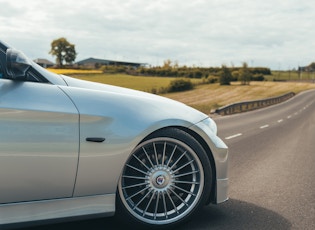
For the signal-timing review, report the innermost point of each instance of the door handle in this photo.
(95, 139)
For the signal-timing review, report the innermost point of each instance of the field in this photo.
(74, 71)
(208, 97)
(291, 76)
(147, 84)
(205, 97)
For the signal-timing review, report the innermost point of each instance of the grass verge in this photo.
(208, 97)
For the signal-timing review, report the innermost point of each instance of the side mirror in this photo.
(17, 64)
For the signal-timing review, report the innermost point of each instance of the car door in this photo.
(39, 142)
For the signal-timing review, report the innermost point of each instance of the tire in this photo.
(165, 181)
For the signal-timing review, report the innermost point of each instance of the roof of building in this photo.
(91, 60)
(43, 61)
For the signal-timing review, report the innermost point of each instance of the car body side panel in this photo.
(39, 142)
(48, 210)
(123, 120)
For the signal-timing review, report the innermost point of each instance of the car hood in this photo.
(129, 100)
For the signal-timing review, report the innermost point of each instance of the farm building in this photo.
(96, 63)
(44, 62)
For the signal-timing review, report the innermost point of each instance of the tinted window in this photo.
(1, 71)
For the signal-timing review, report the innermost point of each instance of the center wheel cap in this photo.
(160, 179)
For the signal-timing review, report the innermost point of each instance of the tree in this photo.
(244, 75)
(63, 50)
(167, 64)
(225, 76)
(312, 66)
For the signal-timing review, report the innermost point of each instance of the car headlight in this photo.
(209, 128)
(211, 124)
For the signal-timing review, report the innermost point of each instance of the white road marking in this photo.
(264, 126)
(289, 117)
(279, 121)
(233, 136)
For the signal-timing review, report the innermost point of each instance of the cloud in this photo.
(197, 32)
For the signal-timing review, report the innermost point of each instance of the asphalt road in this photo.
(272, 172)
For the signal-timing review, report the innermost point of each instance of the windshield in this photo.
(51, 77)
(3, 47)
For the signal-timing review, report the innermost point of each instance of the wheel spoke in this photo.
(141, 200)
(183, 166)
(155, 153)
(143, 172)
(134, 185)
(186, 174)
(145, 152)
(184, 190)
(169, 160)
(174, 206)
(134, 177)
(165, 208)
(178, 159)
(164, 150)
(141, 162)
(156, 204)
(132, 196)
(187, 182)
(152, 196)
(178, 196)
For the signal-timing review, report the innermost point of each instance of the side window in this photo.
(1, 71)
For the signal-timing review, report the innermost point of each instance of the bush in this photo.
(258, 77)
(209, 80)
(179, 85)
(260, 70)
(225, 76)
(113, 69)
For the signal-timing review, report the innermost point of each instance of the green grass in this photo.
(290, 76)
(147, 84)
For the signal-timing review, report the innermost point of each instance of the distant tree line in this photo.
(224, 75)
(210, 74)
(169, 70)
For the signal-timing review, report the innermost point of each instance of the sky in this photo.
(278, 34)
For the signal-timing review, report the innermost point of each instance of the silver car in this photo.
(73, 148)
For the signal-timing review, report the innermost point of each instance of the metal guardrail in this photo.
(252, 105)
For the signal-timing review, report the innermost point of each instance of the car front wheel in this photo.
(166, 179)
